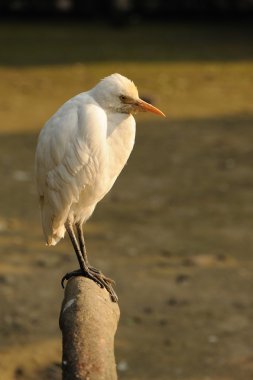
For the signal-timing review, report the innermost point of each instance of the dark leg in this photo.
(85, 270)
(79, 229)
(107, 282)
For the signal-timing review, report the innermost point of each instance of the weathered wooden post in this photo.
(88, 321)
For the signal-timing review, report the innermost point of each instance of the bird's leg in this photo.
(79, 229)
(107, 282)
(84, 269)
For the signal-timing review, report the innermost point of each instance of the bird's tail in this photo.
(53, 231)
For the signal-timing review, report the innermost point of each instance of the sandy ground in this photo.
(175, 232)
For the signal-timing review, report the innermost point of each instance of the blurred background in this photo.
(175, 232)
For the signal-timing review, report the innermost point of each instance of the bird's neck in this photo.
(119, 121)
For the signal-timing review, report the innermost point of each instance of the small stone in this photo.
(6, 279)
(182, 278)
(21, 176)
(166, 253)
(19, 373)
(122, 366)
(41, 263)
(221, 257)
(163, 322)
(172, 301)
(137, 319)
(167, 342)
(188, 262)
(132, 251)
(148, 310)
(213, 339)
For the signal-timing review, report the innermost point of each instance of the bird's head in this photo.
(119, 94)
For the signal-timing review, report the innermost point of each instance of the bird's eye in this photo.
(123, 97)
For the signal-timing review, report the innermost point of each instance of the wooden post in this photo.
(88, 321)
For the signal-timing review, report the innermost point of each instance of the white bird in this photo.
(81, 151)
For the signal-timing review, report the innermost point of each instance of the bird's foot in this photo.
(80, 272)
(107, 282)
(105, 278)
(95, 275)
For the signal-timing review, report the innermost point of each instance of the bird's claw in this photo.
(80, 272)
(67, 276)
(95, 275)
(100, 274)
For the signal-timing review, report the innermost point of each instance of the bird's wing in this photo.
(66, 156)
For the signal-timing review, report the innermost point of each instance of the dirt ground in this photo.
(176, 230)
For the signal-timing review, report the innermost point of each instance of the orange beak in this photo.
(146, 107)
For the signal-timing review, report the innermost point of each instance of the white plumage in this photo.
(81, 151)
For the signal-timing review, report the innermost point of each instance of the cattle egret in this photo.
(81, 151)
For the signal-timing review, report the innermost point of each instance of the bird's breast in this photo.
(120, 142)
(112, 157)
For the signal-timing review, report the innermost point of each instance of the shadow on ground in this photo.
(31, 44)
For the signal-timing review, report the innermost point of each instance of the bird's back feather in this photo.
(65, 160)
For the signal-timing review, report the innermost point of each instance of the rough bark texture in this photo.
(88, 321)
